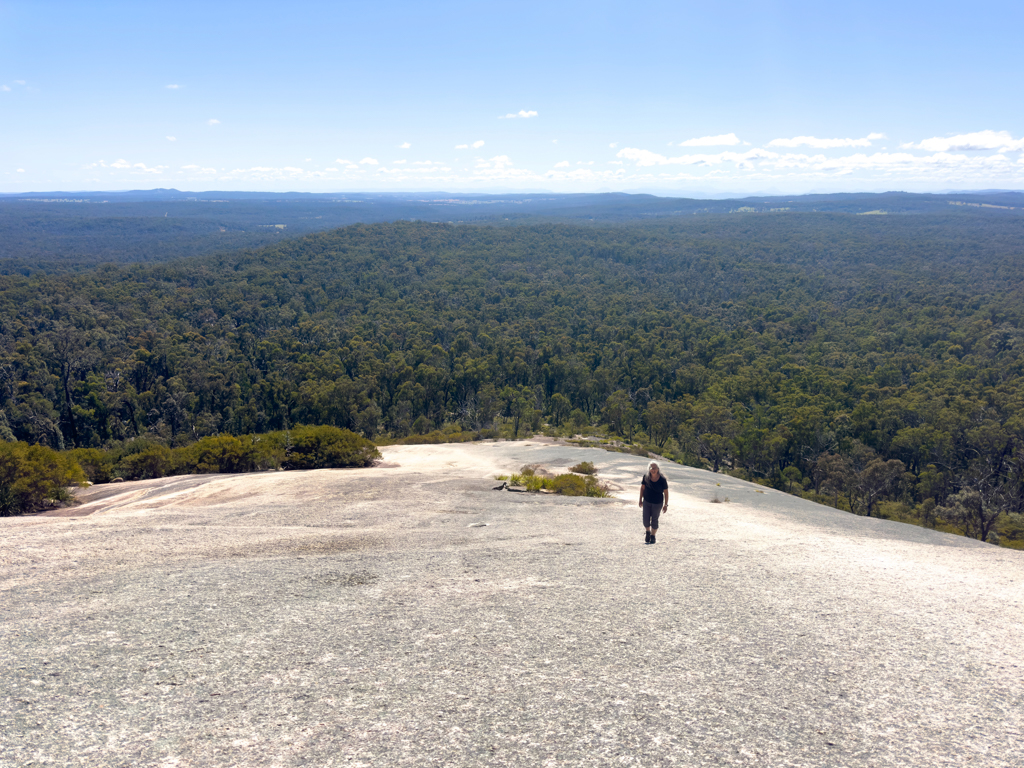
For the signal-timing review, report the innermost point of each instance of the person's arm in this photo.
(641, 493)
(665, 507)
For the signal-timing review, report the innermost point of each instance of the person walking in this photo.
(653, 500)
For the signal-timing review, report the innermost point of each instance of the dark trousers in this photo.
(651, 514)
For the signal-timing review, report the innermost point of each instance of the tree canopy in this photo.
(870, 360)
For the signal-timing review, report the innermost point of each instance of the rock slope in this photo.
(410, 615)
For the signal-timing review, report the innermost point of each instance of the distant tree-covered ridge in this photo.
(872, 362)
(62, 232)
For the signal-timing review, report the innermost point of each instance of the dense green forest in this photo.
(61, 232)
(869, 362)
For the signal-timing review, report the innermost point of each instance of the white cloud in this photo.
(812, 141)
(462, 146)
(646, 158)
(173, 86)
(501, 168)
(613, 145)
(563, 164)
(584, 162)
(498, 162)
(404, 145)
(970, 142)
(398, 162)
(123, 165)
(407, 172)
(20, 170)
(723, 140)
(5, 87)
(339, 161)
(477, 144)
(261, 172)
(941, 163)
(642, 157)
(586, 175)
(20, 82)
(198, 169)
(213, 121)
(521, 113)
(171, 138)
(369, 161)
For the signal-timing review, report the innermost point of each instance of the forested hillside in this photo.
(61, 232)
(871, 362)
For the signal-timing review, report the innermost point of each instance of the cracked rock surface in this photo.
(409, 615)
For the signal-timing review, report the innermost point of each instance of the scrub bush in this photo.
(34, 476)
(322, 447)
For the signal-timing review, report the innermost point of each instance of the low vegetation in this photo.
(566, 484)
(33, 477)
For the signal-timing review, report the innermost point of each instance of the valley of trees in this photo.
(873, 363)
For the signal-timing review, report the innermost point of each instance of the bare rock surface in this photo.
(409, 615)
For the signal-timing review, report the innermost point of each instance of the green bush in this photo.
(33, 475)
(98, 465)
(569, 485)
(535, 483)
(322, 447)
(584, 468)
(437, 437)
(144, 459)
(152, 461)
(226, 453)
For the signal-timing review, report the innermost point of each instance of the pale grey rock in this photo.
(347, 618)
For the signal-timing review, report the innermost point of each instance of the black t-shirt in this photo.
(654, 491)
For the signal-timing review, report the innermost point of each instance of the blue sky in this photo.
(671, 98)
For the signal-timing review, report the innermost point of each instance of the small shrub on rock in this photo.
(97, 465)
(569, 485)
(152, 461)
(227, 453)
(32, 476)
(323, 447)
(574, 485)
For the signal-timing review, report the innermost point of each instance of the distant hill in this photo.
(59, 231)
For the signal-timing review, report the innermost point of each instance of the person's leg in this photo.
(655, 515)
(647, 522)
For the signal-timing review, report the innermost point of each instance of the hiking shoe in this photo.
(647, 538)
(652, 541)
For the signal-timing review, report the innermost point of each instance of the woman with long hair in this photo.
(653, 499)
